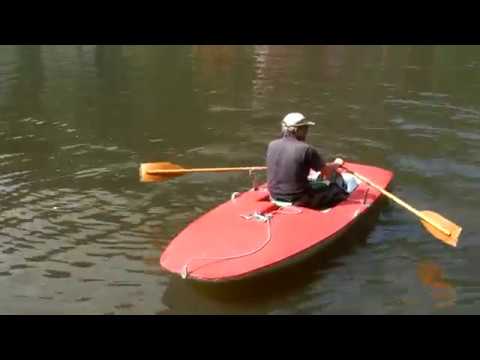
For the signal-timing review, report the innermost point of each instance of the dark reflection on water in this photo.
(80, 234)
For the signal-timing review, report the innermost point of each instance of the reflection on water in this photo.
(431, 276)
(80, 234)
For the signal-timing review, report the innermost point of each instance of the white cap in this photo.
(295, 120)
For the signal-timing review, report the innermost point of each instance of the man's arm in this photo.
(331, 167)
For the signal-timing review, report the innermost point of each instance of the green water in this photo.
(80, 234)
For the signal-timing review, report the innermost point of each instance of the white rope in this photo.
(185, 271)
(256, 216)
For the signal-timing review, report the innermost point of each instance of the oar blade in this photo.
(145, 168)
(453, 228)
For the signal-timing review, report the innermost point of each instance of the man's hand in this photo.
(339, 161)
(332, 167)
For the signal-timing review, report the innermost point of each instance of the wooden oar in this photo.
(162, 171)
(437, 225)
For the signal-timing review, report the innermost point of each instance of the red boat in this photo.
(249, 234)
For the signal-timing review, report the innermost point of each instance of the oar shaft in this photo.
(387, 194)
(203, 170)
(401, 202)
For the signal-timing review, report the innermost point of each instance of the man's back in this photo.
(289, 162)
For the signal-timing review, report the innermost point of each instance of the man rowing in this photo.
(289, 163)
